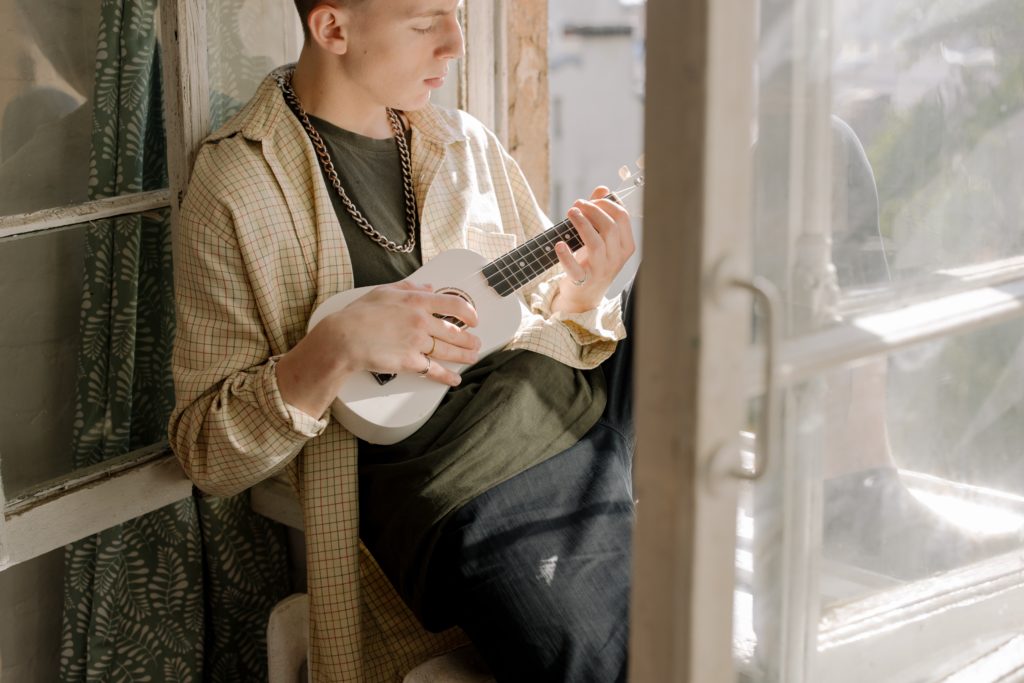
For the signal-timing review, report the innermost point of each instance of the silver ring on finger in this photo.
(424, 371)
(583, 280)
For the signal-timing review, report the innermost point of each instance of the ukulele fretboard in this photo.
(523, 264)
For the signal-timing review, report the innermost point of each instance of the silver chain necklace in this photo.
(284, 81)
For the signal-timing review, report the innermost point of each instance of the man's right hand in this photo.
(388, 330)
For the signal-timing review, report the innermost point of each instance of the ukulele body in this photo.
(385, 413)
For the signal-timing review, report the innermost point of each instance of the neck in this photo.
(327, 93)
(527, 262)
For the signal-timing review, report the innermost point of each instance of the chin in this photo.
(417, 103)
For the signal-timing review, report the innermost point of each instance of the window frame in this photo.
(89, 500)
(678, 601)
(931, 613)
(692, 324)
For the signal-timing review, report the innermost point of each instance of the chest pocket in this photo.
(490, 245)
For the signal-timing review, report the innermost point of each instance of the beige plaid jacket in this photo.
(258, 247)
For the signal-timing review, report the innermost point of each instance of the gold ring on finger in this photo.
(433, 345)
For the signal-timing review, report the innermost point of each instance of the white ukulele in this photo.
(384, 408)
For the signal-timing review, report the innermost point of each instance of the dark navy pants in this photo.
(536, 570)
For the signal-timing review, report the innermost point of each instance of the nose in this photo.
(453, 45)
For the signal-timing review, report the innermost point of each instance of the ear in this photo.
(328, 27)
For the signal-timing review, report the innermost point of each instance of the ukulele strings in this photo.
(617, 194)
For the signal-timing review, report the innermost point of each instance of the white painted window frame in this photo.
(483, 81)
(988, 294)
(89, 500)
(45, 220)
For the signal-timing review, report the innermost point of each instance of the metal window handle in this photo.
(768, 298)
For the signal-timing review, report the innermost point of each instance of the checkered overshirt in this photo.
(257, 248)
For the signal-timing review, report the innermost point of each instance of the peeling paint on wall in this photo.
(528, 95)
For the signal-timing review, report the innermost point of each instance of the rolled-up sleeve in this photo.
(581, 340)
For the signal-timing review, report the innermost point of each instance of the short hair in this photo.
(304, 7)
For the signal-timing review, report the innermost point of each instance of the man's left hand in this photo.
(607, 235)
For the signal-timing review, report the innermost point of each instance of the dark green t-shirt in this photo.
(513, 410)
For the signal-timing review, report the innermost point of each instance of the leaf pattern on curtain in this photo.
(246, 575)
(234, 73)
(183, 593)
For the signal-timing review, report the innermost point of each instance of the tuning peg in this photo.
(624, 173)
(640, 162)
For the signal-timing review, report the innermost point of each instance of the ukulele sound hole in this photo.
(452, 291)
(385, 377)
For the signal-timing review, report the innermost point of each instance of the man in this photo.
(509, 513)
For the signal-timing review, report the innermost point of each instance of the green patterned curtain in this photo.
(183, 593)
(234, 73)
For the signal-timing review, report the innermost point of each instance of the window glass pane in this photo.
(911, 462)
(31, 606)
(247, 39)
(596, 80)
(922, 459)
(50, 130)
(932, 90)
(41, 281)
(895, 170)
(47, 71)
(85, 371)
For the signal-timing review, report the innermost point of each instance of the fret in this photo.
(521, 278)
(528, 266)
(504, 289)
(507, 262)
(498, 280)
(541, 259)
(495, 272)
(492, 271)
(523, 264)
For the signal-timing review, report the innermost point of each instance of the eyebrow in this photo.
(435, 12)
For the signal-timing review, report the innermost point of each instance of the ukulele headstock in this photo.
(632, 178)
(632, 175)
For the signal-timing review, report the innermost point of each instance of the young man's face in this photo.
(399, 50)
